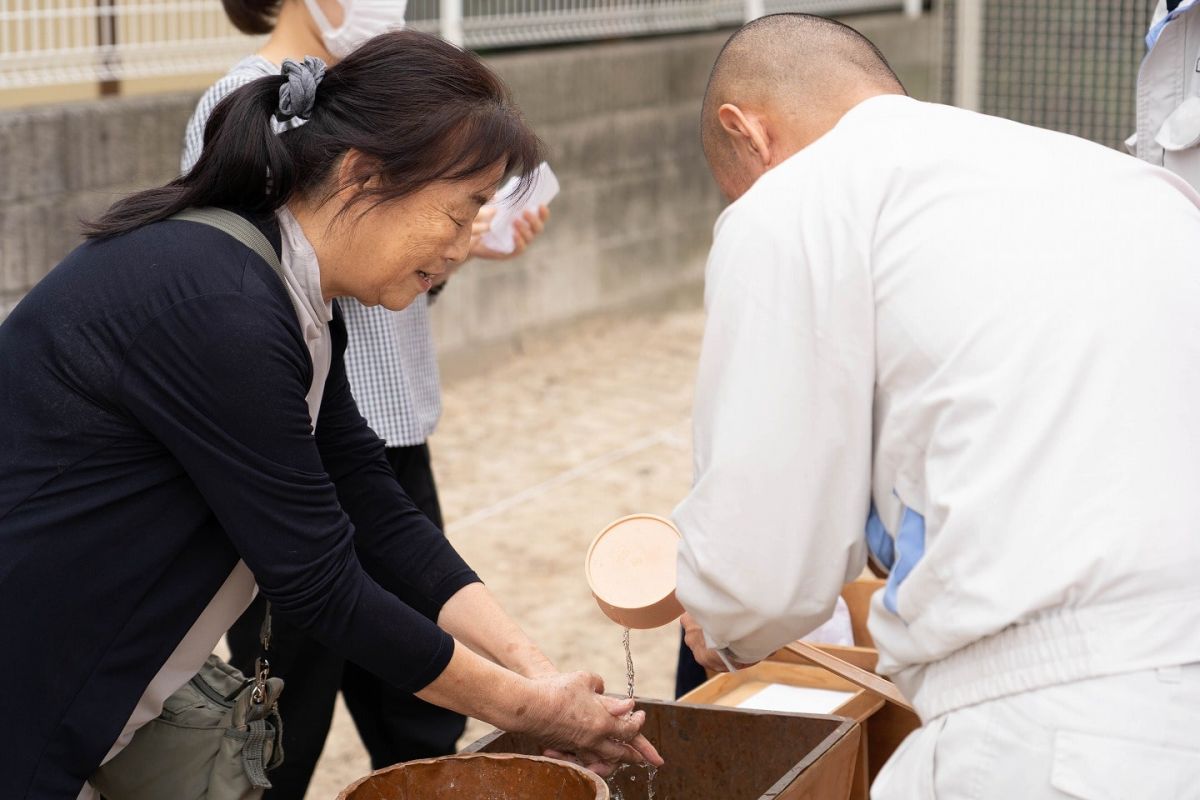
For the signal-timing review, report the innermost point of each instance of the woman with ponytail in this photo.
(176, 425)
(391, 364)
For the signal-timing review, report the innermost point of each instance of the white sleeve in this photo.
(782, 428)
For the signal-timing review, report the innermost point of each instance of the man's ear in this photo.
(747, 133)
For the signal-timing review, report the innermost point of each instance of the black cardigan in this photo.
(153, 430)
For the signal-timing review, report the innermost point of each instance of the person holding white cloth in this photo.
(970, 345)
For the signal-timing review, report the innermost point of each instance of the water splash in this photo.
(614, 785)
(629, 675)
(614, 789)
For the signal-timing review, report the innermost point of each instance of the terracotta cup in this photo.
(631, 571)
(479, 775)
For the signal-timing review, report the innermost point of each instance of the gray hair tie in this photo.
(299, 90)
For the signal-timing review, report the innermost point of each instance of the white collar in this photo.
(302, 272)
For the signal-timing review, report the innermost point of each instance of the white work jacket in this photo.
(974, 342)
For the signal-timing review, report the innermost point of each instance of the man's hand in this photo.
(708, 658)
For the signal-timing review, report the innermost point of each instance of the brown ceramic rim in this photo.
(661, 612)
(601, 787)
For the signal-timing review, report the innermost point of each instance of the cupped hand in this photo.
(526, 228)
(572, 717)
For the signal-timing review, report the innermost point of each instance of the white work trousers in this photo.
(1124, 737)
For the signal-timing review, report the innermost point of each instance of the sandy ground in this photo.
(536, 456)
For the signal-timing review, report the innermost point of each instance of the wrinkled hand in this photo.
(705, 656)
(573, 719)
(525, 229)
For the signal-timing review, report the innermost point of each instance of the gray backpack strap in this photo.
(239, 228)
(266, 690)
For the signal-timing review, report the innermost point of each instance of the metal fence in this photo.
(48, 42)
(506, 23)
(1070, 66)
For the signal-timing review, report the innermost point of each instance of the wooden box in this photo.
(731, 689)
(730, 754)
(890, 725)
(884, 725)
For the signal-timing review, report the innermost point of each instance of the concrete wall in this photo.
(60, 164)
(630, 229)
(633, 220)
(633, 224)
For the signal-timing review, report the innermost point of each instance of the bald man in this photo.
(973, 347)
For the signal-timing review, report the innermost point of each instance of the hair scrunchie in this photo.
(299, 90)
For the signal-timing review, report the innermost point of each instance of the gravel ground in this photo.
(532, 459)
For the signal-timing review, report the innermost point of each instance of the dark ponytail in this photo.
(252, 16)
(420, 111)
(240, 151)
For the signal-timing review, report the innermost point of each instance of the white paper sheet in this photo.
(509, 209)
(796, 699)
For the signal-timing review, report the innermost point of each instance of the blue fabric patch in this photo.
(910, 546)
(879, 541)
(1156, 30)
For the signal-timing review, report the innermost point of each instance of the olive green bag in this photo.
(218, 735)
(214, 740)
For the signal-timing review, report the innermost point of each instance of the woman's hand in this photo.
(526, 228)
(566, 712)
(572, 718)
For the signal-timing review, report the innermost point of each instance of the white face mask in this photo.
(362, 20)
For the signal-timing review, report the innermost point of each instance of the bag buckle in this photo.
(262, 667)
(262, 671)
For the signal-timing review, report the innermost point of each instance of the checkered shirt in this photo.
(248, 69)
(393, 370)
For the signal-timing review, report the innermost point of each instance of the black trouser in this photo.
(394, 726)
(688, 673)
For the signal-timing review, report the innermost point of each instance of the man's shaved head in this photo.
(798, 71)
